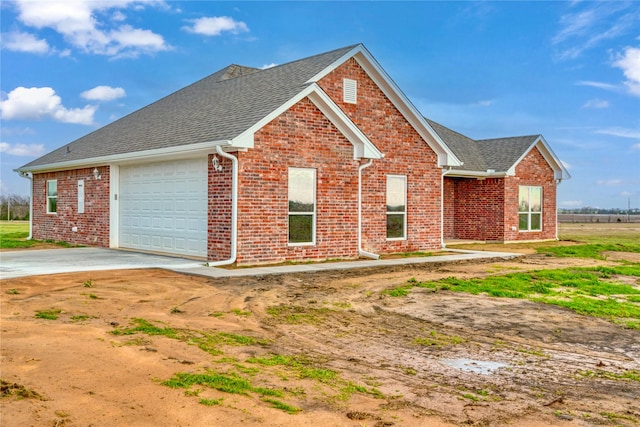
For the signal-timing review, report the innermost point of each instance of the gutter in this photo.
(234, 210)
(361, 251)
(30, 178)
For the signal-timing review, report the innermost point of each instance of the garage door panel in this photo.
(163, 207)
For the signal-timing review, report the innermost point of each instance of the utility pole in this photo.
(629, 210)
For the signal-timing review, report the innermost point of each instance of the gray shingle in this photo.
(218, 107)
(499, 154)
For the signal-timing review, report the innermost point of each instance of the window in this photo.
(396, 207)
(530, 208)
(52, 196)
(350, 91)
(302, 206)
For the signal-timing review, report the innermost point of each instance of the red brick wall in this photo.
(449, 197)
(219, 210)
(301, 137)
(406, 153)
(478, 206)
(92, 225)
(488, 209)
(532, 170)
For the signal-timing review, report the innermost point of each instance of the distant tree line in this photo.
(599, 211)
(14, 207)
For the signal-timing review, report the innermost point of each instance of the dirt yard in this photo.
(325, 349)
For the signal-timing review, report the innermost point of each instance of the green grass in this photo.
(48, 314)
(304, 368)
(298, 315)
(228, 383)
(205, 341)
(593, 291)
(438, 340)
(282, 406)
(13, 235)
(628, 375)
(594, 250)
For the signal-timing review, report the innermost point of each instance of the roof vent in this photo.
(350, 91)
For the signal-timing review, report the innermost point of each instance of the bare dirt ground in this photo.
(498, 362)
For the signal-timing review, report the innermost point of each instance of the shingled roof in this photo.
(498, 154)
(216, 108)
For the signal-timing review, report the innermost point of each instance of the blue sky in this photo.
(567, 70)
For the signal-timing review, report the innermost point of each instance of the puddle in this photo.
(481, 367)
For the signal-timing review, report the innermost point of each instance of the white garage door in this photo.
(163, 207)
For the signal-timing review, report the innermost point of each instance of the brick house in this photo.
(319, 158)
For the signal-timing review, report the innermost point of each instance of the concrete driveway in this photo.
(53, 261)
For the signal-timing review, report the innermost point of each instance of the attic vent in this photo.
(350, 91)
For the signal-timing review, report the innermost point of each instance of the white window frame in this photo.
(312, 213)
(404, 213)
(50, 197)
(529, 211)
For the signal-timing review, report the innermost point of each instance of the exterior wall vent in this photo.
(350, 91)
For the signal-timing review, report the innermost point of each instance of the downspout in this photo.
(234, 210)
(30, 178)
(444, 172)
(361, 251)
(558, 181)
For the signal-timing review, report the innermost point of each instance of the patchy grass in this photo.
(298, 315)
(205, 341)
(594, 251)
(594, 291)
(48, 314)
(304, 368)
(628, 375)
(438, 340)
(240, 313)
(228, 383)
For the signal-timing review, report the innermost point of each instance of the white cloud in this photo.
(629, 62)
(609, 182)
(266, 66)
(596, 103)
(635, 147)
(30, 150)
(85, 25)
(585, 28)
(621, 132)
(215, 25)
(24, 42)
(599, 85)
(42, 102)
(103, 93)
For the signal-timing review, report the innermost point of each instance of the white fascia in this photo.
(399, 100)
(362, 146)
(559, 171)
(455, 173)
(168, 153)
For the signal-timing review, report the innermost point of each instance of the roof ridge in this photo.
(509, 137)
(450, 130)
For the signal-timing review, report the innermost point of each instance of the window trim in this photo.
(530, 212)
(404, 213)
(49, 197)
(312, 213)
